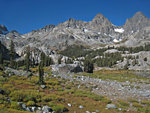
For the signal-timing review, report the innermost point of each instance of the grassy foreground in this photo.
(57, 94)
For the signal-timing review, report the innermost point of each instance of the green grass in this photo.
(88, 94)
(118, 75)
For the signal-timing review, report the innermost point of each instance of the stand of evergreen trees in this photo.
(146, 47)
(109, 59)
(88, 66)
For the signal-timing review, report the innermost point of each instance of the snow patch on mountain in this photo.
(119, 30)
(115, 40)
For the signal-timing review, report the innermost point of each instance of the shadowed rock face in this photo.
(5, 52)
(3, 29)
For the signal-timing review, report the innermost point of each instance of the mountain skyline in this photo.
(25, 16)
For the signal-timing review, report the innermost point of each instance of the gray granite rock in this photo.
(111, 106)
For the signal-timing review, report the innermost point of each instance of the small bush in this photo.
(2, 99)
(51, 97)
(1, 73)
(133, 100)
(106, 100)
(17, 96)
(46, 99)
(137, 105)
(59, 108)
(26, 96)
(30, 103)
(15, 105)
(54, 82)
(145, 102)
(123, 103)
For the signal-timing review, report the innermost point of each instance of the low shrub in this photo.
(59, 108)
(123, 103)
(51, 97)
(133, 100)
(54, 82)
(15, 105)
(145, 102)
(26, 96)
(31, 103)
(1, 73)
(17, 96)
(137, 105)
(2, 99)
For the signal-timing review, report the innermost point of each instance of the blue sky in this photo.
(26, 15)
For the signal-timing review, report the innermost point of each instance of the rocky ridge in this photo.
(99, 32)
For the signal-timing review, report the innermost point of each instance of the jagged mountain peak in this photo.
(44, 29)
(139, 16)
(71, 22)
(99, 15)
(99, 18)
(137, 22)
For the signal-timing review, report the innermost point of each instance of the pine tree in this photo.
(0, 45)
(1, 58)
(27, 59)
(59, 60)
(12, 53)
(41, 73)
(88, 66)
(43, 58)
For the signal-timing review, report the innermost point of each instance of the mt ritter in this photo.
(97, 33)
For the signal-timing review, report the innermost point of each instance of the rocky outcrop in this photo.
(47, 28)
(3, 29)
(4, 51)
(13, 35)
(67, 68)
(11, 71)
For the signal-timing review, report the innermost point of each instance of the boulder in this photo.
(29, 109)
(43, 86)
(81, 107)
(38, 111)
(111, 106)
(33, 109)
(69, 105)
(46, 109)
(23, 106)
